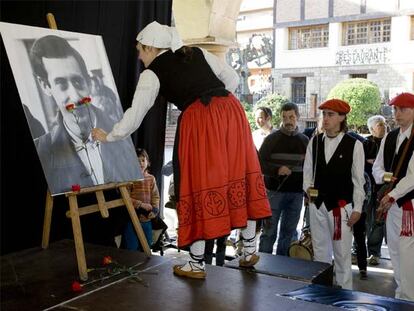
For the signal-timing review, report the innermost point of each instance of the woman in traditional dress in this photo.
(217, 176)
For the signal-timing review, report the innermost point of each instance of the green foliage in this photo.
(249, 114)
(274, 102)
(362, 95)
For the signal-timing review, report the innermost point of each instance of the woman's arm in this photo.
(145, 94)
(223, 71)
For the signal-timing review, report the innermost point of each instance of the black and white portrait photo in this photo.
(66, 87)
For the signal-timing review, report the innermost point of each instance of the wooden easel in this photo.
(102, 206)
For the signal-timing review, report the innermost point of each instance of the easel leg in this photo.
(47, 220)
(77, 235)
(135, 221)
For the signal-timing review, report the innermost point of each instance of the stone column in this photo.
(209, 24)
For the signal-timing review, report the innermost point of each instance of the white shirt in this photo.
(147, 90)
(406, 184)
(259, 136)
(357, 169)
(89, 152)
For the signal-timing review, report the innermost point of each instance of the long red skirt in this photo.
(221, 184)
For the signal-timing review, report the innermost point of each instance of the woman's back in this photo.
(184, 77)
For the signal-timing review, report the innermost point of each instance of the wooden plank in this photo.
(89, 209)
(135, 221)
(47, 220)
(99, 187)
(51, 21)
(77, 236)
(102, 204)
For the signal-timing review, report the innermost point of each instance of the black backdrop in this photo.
(23, 186)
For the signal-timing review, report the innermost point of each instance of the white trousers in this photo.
(401, 249)
(322, 230)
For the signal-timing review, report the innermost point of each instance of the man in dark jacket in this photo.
(281, 155)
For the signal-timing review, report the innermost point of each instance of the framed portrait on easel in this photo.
(66, 87)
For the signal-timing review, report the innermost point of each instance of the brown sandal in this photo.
(249, 263)
(194, 273)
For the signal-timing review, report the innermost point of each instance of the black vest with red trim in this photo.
(333, 180)
(184, 78)
(391, 160)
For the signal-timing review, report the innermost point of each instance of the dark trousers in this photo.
(220, 251)
(359, 230)
(376, 232)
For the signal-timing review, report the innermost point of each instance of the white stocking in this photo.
(196, 263)
(248, 235)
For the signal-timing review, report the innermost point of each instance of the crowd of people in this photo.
(344, 176)
(227, 178)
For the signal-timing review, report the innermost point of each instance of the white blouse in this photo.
(147, 90)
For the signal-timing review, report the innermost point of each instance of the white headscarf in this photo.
(160, 36)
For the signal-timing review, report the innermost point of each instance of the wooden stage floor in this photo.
(37, 279)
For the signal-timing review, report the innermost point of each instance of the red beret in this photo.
(337, 105)
(403, 100)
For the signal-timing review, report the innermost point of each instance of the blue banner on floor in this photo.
(348, 299)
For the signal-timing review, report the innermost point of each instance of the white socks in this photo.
(197, 257)
(248, 236)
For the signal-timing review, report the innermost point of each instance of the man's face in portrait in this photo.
(66, 81)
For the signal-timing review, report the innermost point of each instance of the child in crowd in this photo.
(146, 199)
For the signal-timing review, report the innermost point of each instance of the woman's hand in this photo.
(99, 135)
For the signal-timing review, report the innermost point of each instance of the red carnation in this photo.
(85, 100)
(76, 286)
(107, 260)
(76, 188)
(341, 203)
(70, 107)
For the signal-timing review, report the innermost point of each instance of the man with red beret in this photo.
(334, 182)
(398, 203)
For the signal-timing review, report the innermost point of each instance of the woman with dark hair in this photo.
(217, 176)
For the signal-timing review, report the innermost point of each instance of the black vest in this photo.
(333, 179)
(391, 160)
(184, 79)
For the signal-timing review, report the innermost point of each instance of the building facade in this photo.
(253, 56)
(322, 42)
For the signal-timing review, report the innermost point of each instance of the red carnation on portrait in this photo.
(76, 188)
(70, 107)
(84, 101)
